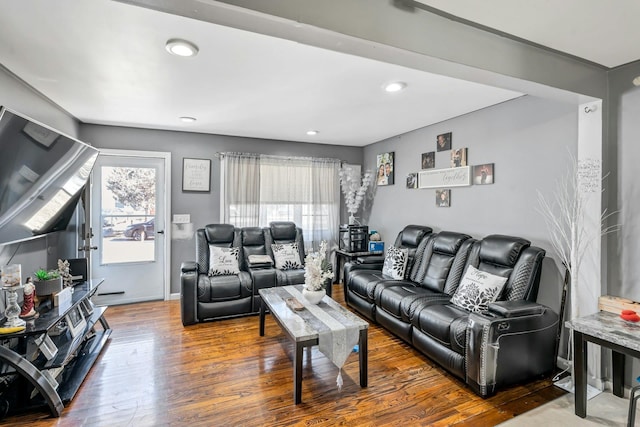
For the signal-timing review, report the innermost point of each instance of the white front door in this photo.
(129, 209)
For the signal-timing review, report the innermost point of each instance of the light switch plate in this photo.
(181, 218)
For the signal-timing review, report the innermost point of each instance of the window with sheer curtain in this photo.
(258, 189)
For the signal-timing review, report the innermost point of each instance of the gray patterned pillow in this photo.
(286, 255)
(477, 290)
(223, 261)
(395, 262)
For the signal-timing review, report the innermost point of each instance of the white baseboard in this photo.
(174, 296)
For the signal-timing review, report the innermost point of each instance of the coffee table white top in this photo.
(306, 324)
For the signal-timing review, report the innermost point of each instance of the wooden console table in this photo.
(50, 360)
(608, 330)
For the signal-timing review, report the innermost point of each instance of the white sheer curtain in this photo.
(259, 189)
(240, 189)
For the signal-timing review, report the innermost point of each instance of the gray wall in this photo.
(42, 251)
(528, 140)
(203, 207)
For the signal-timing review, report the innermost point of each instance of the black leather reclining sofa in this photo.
(206, 297)
(511, 341)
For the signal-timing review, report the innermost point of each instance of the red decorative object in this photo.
(629, 315)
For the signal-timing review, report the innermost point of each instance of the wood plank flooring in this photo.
(155, 372)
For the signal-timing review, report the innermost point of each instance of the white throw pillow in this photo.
(223, 261)
(477, 290)
(286, 256)
(395, 262)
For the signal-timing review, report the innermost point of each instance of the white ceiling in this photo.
(600, 31)
(104, 62)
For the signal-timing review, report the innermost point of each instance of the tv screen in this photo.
(42, 176)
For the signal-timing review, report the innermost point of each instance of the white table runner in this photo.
(336, 334)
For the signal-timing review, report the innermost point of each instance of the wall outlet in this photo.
(181, 218)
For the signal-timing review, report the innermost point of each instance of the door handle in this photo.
(160, 232)
(87, 248)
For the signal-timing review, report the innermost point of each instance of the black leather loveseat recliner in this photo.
(207, 295)
(509, 341)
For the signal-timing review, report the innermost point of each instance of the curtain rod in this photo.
(220, 155)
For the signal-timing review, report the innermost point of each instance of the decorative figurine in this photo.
(28, 303)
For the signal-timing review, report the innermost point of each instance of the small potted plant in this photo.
(47, 282)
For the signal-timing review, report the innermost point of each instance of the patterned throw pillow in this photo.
(395, 262)
(223, 261)
(286, 255)
(477, 290)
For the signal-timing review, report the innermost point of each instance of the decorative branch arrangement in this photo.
(353, 189)
(564, 214)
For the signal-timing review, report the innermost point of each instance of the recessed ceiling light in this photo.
(312, 132)
(636, 81)
(186, 119)
(181, 47)
(395, 86)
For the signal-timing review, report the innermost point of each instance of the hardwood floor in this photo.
(155, 372)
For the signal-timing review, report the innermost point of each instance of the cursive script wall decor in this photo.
(196, 174)
(444, 178)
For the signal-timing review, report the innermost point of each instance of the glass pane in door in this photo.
(128, 207)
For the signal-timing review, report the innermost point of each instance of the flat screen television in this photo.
(42, 176)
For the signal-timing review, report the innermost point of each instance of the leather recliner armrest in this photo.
(188, 266)
(516, 308)
(188, 292)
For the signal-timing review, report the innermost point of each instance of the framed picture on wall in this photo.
(443, 141)
(384, 164)
(483, 174)
(458, 157)
(412, 180)
(429, 160)
(196, 175)
(443, 198)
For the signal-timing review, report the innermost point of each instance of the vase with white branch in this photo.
(354, 189)
(317, 271)
(565, 216)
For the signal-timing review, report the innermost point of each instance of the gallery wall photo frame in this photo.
(428, 160)
(458, 157)
(196, 175)
(443, 198)
(385, 169)
(412, 180)
(443, 141)
(483, 174)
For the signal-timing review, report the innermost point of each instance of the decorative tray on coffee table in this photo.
(294, 304)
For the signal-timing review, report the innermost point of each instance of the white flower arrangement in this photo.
(316, 269)
(353, 189)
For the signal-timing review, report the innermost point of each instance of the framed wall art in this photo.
(429, 160)
(384, 164)
(443, 198)
(412, 180)
(443, 141)
(196, 175)
(458, 157)
(450, 177)
(483, 174)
